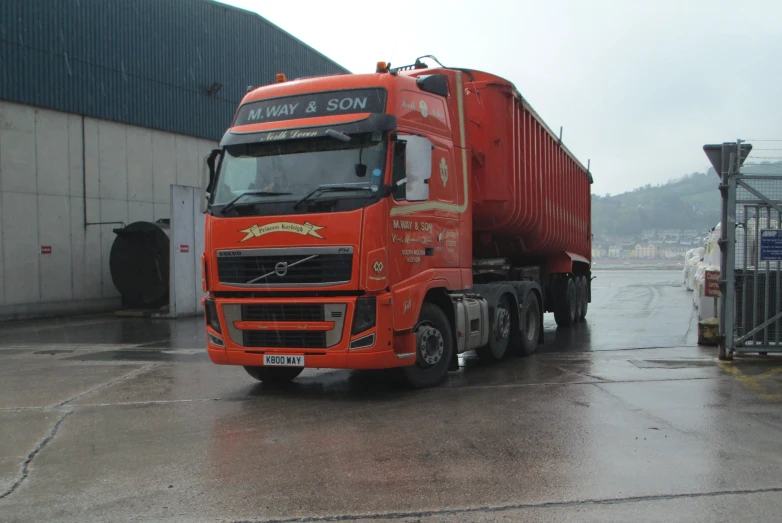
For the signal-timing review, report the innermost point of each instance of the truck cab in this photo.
(326, 226)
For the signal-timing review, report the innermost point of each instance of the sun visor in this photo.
(373, 123)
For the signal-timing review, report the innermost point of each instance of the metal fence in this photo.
(751, 249)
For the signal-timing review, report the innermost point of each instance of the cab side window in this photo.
(398, 175)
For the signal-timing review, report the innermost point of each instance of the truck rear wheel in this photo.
(529, 321)
(565, 305)
(499, 337)
(584, 297)
(274, 374)
(434, 348)
(579, 298)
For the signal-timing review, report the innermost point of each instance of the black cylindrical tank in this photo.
(139, 264)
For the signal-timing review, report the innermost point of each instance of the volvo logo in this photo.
(281, 269)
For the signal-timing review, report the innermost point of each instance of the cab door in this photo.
(421, 245)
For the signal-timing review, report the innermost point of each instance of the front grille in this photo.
(283, 312)
(320, 269)
(285, 339)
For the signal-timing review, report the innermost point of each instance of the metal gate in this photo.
(751, 250)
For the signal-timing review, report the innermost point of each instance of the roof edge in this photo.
(221, 3)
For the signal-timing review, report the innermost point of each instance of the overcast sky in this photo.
(638, 86)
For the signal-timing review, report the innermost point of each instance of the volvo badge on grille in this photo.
(281, 268)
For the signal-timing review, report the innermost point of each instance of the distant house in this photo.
(598, 251)
(615, 251)
(644, 251)
(673, 252)
(649, 234)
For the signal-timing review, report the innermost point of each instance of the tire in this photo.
(274, 374)
(565, 304)
(584, 298)
(579, 298)
(434, 348)
(500, 335)
(529, 321)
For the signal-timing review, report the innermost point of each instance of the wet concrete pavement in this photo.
(622, 418)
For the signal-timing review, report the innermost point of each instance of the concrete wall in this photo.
(46, 169)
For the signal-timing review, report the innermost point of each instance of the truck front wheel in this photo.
(274, 374)
(433, 346)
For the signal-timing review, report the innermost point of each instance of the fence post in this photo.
(727, 165)
(729, 299)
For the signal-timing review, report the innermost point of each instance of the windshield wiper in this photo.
(230, 205)
(338, 135)
(335, 187)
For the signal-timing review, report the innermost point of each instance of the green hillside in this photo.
(691, 202)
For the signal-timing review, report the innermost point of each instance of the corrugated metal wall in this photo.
(144, 62)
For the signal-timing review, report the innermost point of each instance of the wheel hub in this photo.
(503, 324)
(430, 344)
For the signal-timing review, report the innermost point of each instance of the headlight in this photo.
(210, 310)
(364, 316)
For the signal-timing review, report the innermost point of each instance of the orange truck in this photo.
(390, 220)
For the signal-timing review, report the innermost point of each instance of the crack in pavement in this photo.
(580, 374)
(518, 506)
(25, 472)
(67, 411)
(106, 384)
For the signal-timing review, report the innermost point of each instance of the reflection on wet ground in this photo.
(622, 418)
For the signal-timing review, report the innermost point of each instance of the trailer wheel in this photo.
(579, 299)
(529, 321)
(584, 297)
(499, 337)
(565, 305)
(434, 348)
(274, 374)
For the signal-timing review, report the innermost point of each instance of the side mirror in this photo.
(418, 167)
(208, 177)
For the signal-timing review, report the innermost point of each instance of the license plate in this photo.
(281, 360)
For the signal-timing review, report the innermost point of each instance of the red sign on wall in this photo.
(45, 249)
(183, 248)
(712, 284)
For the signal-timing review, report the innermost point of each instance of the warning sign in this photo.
(712, 289)
(45, 249)
(771, 245)
(183, 248)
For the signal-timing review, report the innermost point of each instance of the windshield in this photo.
(290, 171)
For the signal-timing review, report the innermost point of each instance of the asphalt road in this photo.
(622, 418)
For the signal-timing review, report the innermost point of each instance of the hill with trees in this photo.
(690, 202)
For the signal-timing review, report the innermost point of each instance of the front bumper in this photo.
(243, 336)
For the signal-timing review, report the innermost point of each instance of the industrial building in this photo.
(103, 106)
